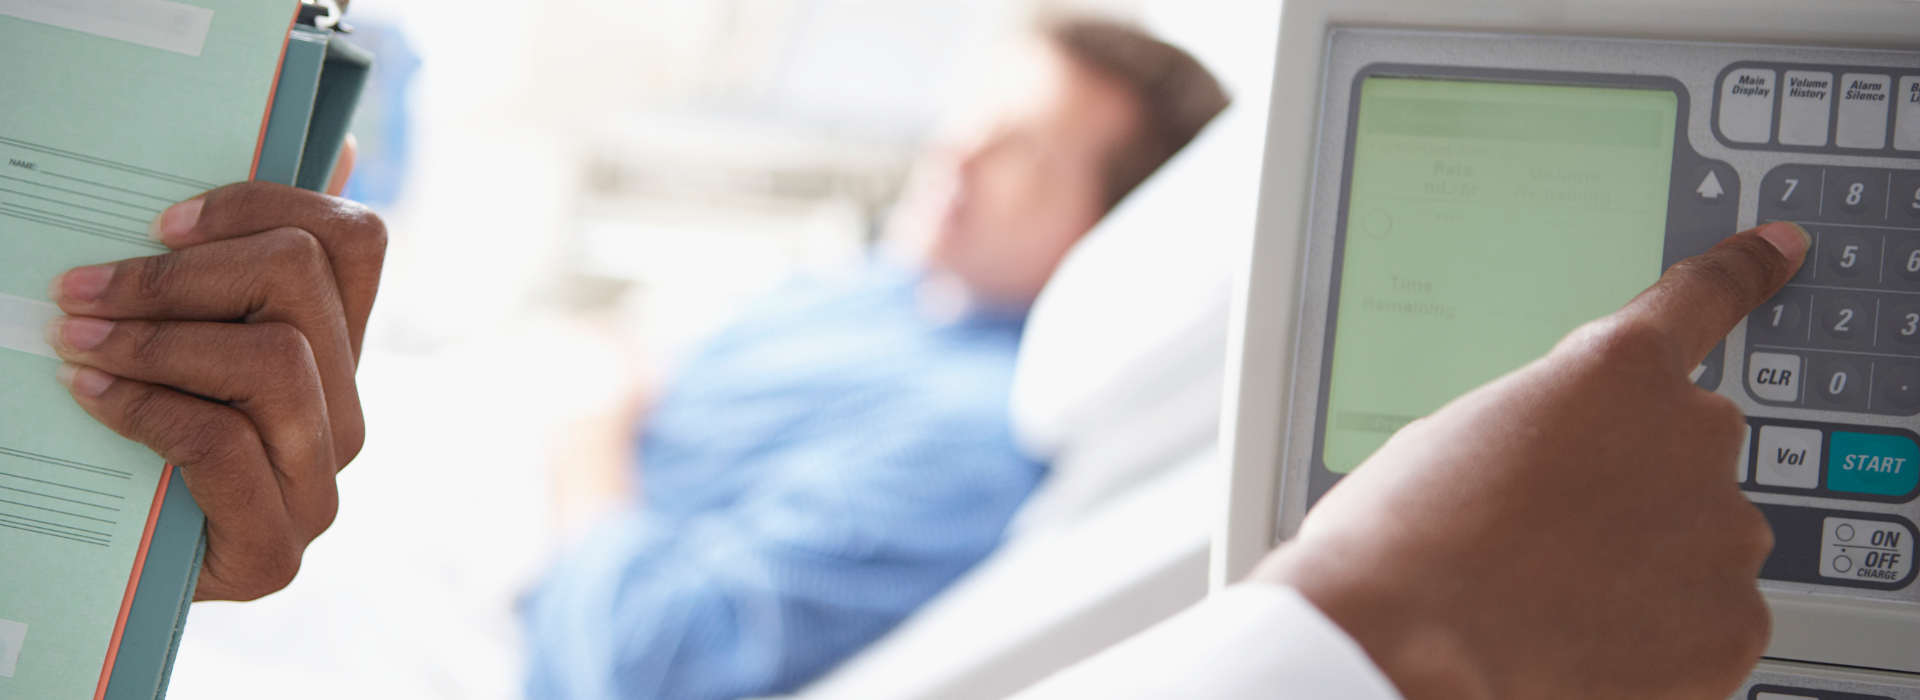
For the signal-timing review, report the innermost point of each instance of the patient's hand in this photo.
(1572, 530)
(233, 357)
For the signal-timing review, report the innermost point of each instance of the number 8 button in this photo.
(1858, 193)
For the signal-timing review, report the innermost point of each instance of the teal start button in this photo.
(1884, 465)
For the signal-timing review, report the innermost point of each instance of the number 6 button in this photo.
(1905, 250)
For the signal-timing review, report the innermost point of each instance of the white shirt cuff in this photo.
(1252, 641)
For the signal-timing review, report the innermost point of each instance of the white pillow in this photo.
(1119, 373)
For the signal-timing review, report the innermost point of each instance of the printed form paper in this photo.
(110, 110)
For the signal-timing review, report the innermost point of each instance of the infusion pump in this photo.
(1475, 179)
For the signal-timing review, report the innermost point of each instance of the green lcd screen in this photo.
(1485, 220)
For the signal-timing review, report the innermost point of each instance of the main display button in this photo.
(1804, 107)
(1882, 465)
(1842, 319)
(1898, 385)
(1773, 376)
(1901, 323)
(1869, 550)
(1857, 193)
(1746, 105)
(1782, 318)
(1906, 125)
(1863, 111)
(1849, 254)
(1789, 457)
(1837, 384)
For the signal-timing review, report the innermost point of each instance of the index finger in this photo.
(353, 237)
(1700, 299)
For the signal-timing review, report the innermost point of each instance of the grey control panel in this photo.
(1828, 372)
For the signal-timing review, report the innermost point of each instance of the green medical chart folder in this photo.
(321, 77)
(110, 111)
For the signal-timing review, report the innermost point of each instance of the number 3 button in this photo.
(1903, 323)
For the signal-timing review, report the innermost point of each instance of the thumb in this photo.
(343, 168)
(1700, 299)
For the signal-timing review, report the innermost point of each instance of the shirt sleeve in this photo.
(1251, 642)
(833, 545)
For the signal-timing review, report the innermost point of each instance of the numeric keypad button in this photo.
(1791, 189)
(1900, 323)
(1898, 384)
(1850, 255)
(1903, 259)
(1906, 196)
(1856, 193)
(1837, 384)
(1843, 319)
(1782, 319)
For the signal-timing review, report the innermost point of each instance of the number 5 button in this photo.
(1849, 255)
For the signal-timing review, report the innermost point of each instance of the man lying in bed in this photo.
(842, 452)
(823, 468)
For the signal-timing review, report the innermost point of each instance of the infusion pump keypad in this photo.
(1845, 333)
(1843, 337)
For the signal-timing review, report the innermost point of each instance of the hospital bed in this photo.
(1119, 385)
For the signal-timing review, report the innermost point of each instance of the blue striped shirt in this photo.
(818, 471)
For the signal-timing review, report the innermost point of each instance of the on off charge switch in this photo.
(1865, 550)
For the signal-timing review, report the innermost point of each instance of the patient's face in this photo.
(1029, 179)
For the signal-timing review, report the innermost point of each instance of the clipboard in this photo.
(321, 78)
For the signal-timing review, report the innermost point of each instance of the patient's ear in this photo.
(343, 168)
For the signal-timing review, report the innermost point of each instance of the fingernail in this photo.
(86, 381)
(1792, 240)
(77, 334)
(81, 284)
(176, 221)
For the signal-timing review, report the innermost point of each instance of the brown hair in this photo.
(1177, 95)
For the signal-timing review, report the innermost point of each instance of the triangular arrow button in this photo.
(1710, 188)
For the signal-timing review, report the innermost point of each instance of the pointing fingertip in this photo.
(1790, 238)
(176, 221)
(86, 381)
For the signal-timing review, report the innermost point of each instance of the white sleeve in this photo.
(1249, 642)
